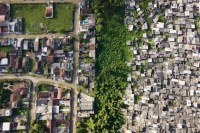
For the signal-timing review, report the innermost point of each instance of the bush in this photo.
(38, 127)
(44, 87)
(137, 98)
(4, 97)
(32, 65)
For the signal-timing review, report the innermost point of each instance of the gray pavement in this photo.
(37, 80)
(28, 36)
(76, 67)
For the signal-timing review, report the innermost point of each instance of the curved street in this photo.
(37, 80)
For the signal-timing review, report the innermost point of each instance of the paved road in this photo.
(76, 66)
(33, 103)
(28, 36)
(37, 80)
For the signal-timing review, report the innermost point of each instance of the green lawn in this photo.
(5, 49)
(32, 65)
(197, 23)
(20, 111)
(6, 119)
(33, 16)
(44, 87)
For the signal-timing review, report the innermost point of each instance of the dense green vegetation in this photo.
(137, 98)
(32, 65)
(5, 49)
(162, 18)
(4, 97)
(18, 131)
(84, 126)
(44, 87)
(38, 127)
(6, 119)
(197, 23)
(85, 90)
(33, 16)
(81, 38)
(111, 69)
(66, 47)
(20, 111)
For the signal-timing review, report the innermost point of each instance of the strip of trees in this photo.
(111, 68)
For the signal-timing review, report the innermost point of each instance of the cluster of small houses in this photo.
(8, 25)
(52, 57)
(19, 100)
(54, 107)
(85, 106)
(164, 86)
(86, 71)
(87, 47)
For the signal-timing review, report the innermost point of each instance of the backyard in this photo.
(197, 23)
(5, 49)
(20, 111)
(4, 97)
(35, 21)
(44, 87)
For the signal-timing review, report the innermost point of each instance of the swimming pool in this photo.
(85, 22)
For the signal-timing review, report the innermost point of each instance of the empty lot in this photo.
(34, 18)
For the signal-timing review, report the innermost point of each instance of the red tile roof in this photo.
(4, 29)
(54, 94)
(19, 62)
(43, 95)
(54, 123)
(49, 60)
(60, 93)
(86, 11)
(14, 97)
(56, 102)
(2, 18)
(3, 9)
(57, 71)
(50, 51)
(49, 11)
(24, 91)
(12, 60)
(92, 46)
(19, 88)
(62, 73)
(2, 54)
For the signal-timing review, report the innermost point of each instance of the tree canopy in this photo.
(38, 127)
(111, 69)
